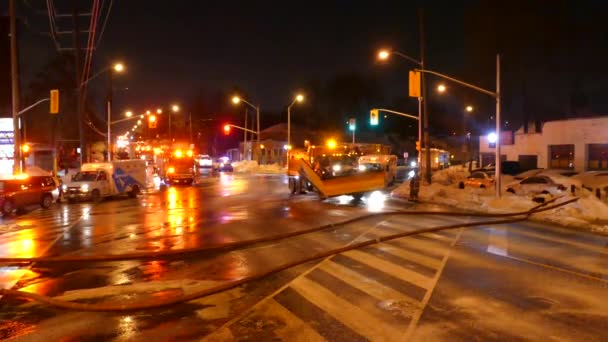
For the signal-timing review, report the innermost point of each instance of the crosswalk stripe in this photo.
(415, 257)
(439, 237)
(347, 313)
(294, 329)
(388, 267)
(368, 285)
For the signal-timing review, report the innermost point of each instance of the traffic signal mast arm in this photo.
(241, 128)
(21, 112)
(397, 113)
(479, 89)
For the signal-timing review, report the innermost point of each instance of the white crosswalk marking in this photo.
(374, 293)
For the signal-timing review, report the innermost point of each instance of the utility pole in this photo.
(79, 105)
(498, 173)
(427, 149)
(15, 87)
(109, 110)
(245, 136)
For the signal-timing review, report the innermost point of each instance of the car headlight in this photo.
(336, 167)
(411, 174)
(362, 167)
(413, 164)
(64, 187)
(84, 188)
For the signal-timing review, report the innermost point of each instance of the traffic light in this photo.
(373, 117)
(352, 124)
(417, 145)
(54, 107)
(226, 129)
(415, 84)
(152, 121)
(25, 150)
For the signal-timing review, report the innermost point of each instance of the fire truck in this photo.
(333, 169)
(180, 167)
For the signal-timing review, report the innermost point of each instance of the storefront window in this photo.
(561, 156)
(597, 157)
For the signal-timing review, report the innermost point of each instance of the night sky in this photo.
(554, 53)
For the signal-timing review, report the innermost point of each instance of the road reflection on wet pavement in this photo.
(401, 276)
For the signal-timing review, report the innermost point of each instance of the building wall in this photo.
(578, 132)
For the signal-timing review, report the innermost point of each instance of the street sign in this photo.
(415, 84)
(54, 106)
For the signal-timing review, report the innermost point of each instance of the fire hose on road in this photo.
(504, 218)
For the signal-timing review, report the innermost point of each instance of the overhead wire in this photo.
(52, 24)
(105, 22)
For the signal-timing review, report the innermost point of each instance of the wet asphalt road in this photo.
(521, 281)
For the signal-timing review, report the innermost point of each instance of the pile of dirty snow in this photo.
(588, 212)
(251, 166)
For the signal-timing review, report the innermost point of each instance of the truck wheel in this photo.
(134, 191)
(47, 201)
(8, 207)
(96, 196)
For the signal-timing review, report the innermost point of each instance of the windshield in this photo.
(85, 176)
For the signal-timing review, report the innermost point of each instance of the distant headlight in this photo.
(362, 167)
(336, 167)
(64, 187)
(413, 164)
(411, 174)
(84, 188)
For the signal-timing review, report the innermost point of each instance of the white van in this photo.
(380, 162)
(96, 181)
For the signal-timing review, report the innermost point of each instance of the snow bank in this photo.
(588, 212)
(251, 166)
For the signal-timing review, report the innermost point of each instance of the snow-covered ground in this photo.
(588, 212)
(251, 166)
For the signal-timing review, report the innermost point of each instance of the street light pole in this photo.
(494, 94)
(257, 149)
(15, 87)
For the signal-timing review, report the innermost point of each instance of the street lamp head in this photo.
(236, 99)
(469, 109)
(141, 116)
(139, 122)
(119, 67)
(147, 112)
(383, 55)
(159, 111)
(300, 98)
(175, 108)
(441, 88)
(128, 113)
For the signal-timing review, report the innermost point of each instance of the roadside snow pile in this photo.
(451, 175)
(588, 212)
(251, 166)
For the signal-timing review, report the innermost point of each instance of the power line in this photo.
(51, 14)
(105, 22)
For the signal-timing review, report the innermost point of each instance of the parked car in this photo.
(21, 192)
(478, 179)
(223, 164)
(542, 184)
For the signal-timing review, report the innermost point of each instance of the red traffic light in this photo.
(226, 129)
